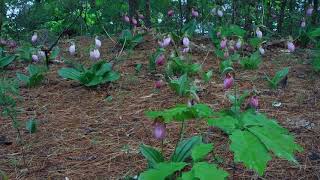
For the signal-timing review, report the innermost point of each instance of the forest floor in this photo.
(83, 134)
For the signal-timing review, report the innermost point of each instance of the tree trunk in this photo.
(269, 18)
(148, 14)
(188, 11)
(315, 14)
(181, 15)
(281, 17)
(2, 14)
(133, 7)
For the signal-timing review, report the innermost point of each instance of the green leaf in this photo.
(54, 53)
(278, 77)
(70, 73)
(226, 123)
(251, 62)
(23, 78)
(152, 155)
(282, 145)
(201, 111)
(200, 151)
(111, 77)
(248, 149)
(31, 126)
(207, 76)
(178, 113)
(181, 85)
(4, 61)
(255, 42)
(162, 170)
(206, 171)
(314, 33)
(184, 149)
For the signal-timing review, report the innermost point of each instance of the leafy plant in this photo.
(316, 63)
(279, 76)
(99, 73)
(153, 58)
(36, 75)
(5, 61)
(251, 62)
(128, 40)
(207, 76)
(237, 101)
(25, 53)
(178, 67)
(251, 140)
(31, 126)
(182, 86)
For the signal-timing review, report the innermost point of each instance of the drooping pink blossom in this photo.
(165, 42)
(186, 41)
(35, 58)
(160, 60)
(72, 49)
(261, 50)
(34, 37)
(95, 54)
(170, 13)
(141, 16)
(259, 33)
(194, 13)
(158, 84)
(309, 10)
(254, 102)
(223, 43)
(97, 42)
(226, 54)
(218, 34)
(126, 19)
(291, 46)
(159, 131)
(239, 44)
(186, 50)
(303, 23)
(228, 81)
(220, 13)
(134, 21)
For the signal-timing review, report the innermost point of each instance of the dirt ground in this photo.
(82, 134)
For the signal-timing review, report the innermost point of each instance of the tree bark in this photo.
(315, 14)
(269, 18)
(2, 14)
(281, 17)
(148, 14)
(133, 7)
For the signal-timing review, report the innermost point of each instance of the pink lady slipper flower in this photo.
(261, 50)
(41, 54)
(95, 54)
(134, 21)
(97, 42)
(228, 81)
(259, 33)
(254, 102)
(223, 43)
(35, 58)
(3, 42)
(186, 50)
(141, 16)
(159, 131)
(158, 84)
(303, 23)
(165, 42)
(239, 44)
(34, 37)
(160, 60)
(291, 46)
(72, 49)
(309, 10)
(226, 54)
(126, 19)
(186, 41)
(194, 13)
(218, 34)
(170, 13)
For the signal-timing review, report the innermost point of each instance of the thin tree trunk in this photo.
(269, 11)
(148, 14)
(133, 7)
(281, 17)
(234, 10)
(2, 14)
(181, 15)
(315, 14)
(189, 7)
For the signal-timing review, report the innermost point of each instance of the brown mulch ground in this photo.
(82, 135)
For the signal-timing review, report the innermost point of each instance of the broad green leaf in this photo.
(104, 68)
(4, 61)
(181, 85)
(184, 149)
(250, 150)
(314, 33)
(200, 151)
(178, 113)
(201, 111)
(278, 77)
(255, 42)
(23, 78)
(226, 123)
(162, 170)
(152, 155)
(207, 76)
(31, 126)
(111, 76)
(226, 66)
(70, 73)
(282, 145)
(206, 171)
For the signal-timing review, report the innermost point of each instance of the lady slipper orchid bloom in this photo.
(261, 50)
(126, 19)
(158, 84)
(226, 54)
(134, 21)
(170, 13)
(254, 102)
(186, 41)
(34, 37)
(41, 54)
(223, 43)
(228, 81)
(160, 60)
(194, 13)
(35, 58)
(165, 42)
(239, 44)
(95, 54)
(72, 49)
(186, 50)
(218, 34)
(309, 10)
(259, 33)
(291, 46)
(220, 13)
(159, 131)
(97, 42)
(141, 16)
